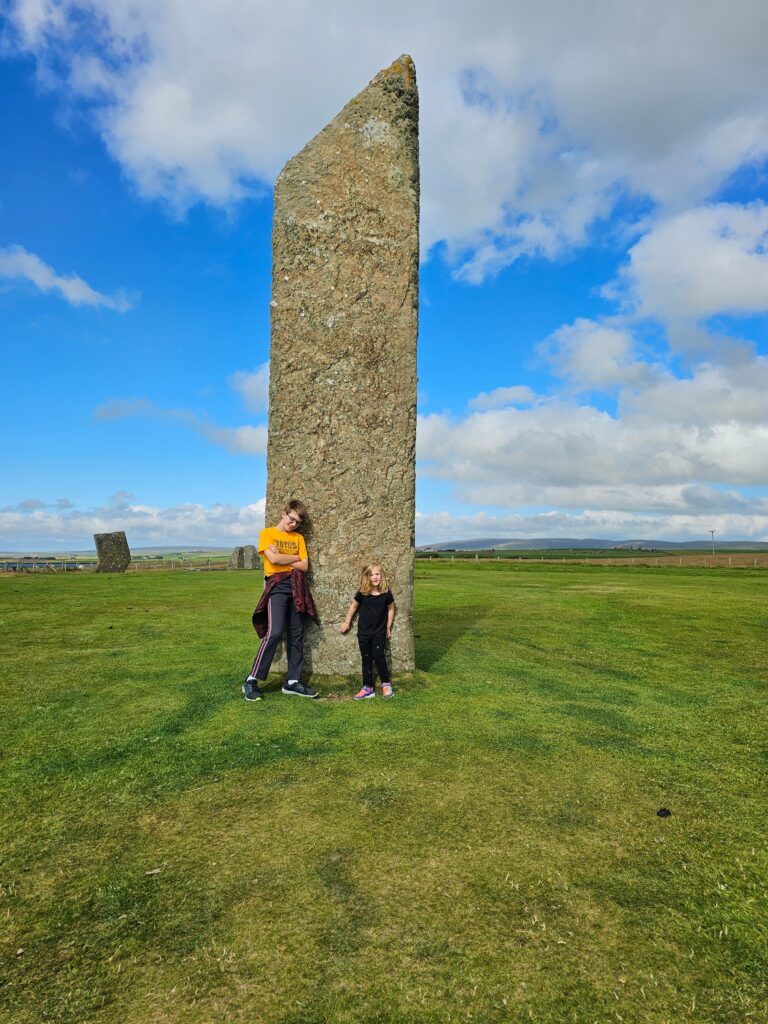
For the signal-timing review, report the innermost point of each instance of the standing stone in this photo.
(237, 558)
(250, 558)
(342, 397)
(113, 552)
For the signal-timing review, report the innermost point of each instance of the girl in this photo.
(374, 627)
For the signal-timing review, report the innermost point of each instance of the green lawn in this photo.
(484, 847)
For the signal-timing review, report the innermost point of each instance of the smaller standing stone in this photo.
(237, 558)
(113, 552)
(250, 558)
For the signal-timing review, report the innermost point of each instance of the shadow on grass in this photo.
(438, 630)
(165, 755)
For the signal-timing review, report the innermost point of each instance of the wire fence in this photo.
(720, 560)
(142, 565)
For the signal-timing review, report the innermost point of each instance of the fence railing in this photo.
(731, 560)
(727, 560)
(56, 565)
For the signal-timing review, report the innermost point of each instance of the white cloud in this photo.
(244, 440)
(595, 355)
(48, 528)
(705, 261)
(519, 394)
(713, 397)
(668, 439)
(144, 524)
(535, 117)
(17, 264)
(441, 527)
(253, 387)
(26, 505)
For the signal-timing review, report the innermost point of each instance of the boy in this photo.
(285, 600)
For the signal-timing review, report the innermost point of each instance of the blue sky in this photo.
(593, 351)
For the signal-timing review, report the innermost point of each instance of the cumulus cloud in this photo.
(253, 387)
(536, 117)
(714, 396)
(442, 527)
(702, 262)
(243, 440)
(666, 441)
(144, 524)
(594, 355)
(19, 265)
(26, 505)
(48, 528)
(518, 394)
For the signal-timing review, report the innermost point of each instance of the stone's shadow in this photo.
(432, 627)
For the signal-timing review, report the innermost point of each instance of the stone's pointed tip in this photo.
(404, 67)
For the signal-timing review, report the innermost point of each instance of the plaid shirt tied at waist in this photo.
(302, 598)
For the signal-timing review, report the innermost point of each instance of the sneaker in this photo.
(365, 693)
(251, 690)
(386, 690)
(299, 690)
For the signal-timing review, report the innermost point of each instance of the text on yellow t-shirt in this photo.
(286, 544)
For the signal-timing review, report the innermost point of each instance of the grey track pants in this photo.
(281, 614)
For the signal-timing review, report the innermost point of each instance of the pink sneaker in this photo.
(386, 690)
(365, 693)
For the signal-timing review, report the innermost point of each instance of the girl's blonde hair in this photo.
(365, 579)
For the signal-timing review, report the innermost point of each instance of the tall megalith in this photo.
(342, 397)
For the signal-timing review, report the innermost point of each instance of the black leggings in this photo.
(372, 650)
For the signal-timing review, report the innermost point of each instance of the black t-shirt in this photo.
(372, 613)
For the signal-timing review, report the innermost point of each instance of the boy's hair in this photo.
(365, 579)
(299, 508)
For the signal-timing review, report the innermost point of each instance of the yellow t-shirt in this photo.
(286, 544)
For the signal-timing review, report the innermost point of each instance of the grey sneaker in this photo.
(299, 690)
(251, 690)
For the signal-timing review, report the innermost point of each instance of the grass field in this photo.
(484, 847)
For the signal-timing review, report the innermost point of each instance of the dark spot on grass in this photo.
(336, 875)
(615, 741)
(527, 742)
(572, 818)
(282, 782)
(600, 716)
(376, 797)
(555, 688)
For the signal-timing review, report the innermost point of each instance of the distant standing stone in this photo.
(342, 396)
(113, 552)
(237, 558)
(250, 558)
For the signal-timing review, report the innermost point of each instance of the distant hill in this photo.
(587, 543)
